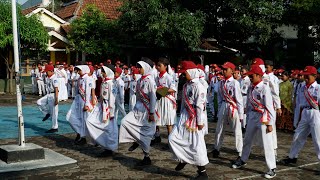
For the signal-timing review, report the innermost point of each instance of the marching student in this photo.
(33, 75)
(40, 80)
(231, 109)
(48, 104)
(166, 106)
(202, 79)
(187, 137)
(119, 93)
(309, 116)
(139, 125)
(82, 104)
(102, 127)
(127, 80)
(74, 81)
(297, 96)
(244, 85)
(133, 88)
(260, 116)
(273, 83)
(63, 80)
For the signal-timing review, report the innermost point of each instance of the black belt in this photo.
(307, 107)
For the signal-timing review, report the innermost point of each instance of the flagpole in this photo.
(17, 72)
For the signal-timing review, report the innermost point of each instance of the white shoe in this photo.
(270, 174)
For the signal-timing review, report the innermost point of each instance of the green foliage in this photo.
(92, 33)
(160, 23)
(32, 33)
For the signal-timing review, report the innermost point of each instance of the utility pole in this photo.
(17, 72)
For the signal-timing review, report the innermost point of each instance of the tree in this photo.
(160, 24)
(93, 33)
(32, 34)
(233, 21)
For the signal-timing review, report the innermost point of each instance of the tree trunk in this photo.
(10, 72)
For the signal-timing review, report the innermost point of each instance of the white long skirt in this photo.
(136, 128)
(63, 91)
(103, 133)
(188, 147)
(76, 116)
(166, 111)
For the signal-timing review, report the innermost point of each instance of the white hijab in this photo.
(170, 71)
(84, 68)
(206, 69)
(194, 73)
(109, 72)
(146, 67)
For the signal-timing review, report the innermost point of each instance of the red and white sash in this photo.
(228, 98)
(143, 97)
(257, 106)
(311, 101)
(172, 99)
(191, 123)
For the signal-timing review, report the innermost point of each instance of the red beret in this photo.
(49, 68)
(187, 65)
(257, 61)
(136, 71)
(309, 70)
(227, 65)
(57, 63)
(119, 70)
(255, 69)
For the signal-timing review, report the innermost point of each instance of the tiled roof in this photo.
(108, 7)
(29, 10)
(67, 11)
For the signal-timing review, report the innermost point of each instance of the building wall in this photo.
(48, 21)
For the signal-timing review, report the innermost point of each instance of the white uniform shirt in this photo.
(108, 96)
(166, 81)
(314, 91)
(262, 94)
(273, 83)
(119, 90)
(126, 79)
(245, 83)
(52, 83)
(233, 89)
(62, 74)
(148, 86)
(86, 84)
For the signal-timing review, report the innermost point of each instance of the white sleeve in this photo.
(238, 98)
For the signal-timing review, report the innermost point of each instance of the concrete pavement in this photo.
(122, 165)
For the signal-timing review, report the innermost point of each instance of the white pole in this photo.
(17, 72)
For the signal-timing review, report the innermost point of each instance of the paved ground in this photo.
(122, 165)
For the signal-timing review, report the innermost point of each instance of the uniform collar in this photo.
(229, 79)
(313, 85)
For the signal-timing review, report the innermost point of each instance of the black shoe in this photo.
(243, 130)
(165, 147)
(77, 138)
(215, 153)
(270, 174)
(155, 140)
(106, 153)
(82, 141)
(180, 166)
(202, 175)
(288, 161)
(133, 147)
(238, 164)
(52, 131)
(46, 117)
(145, 162)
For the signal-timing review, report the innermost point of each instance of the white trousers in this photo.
(41, 89)
(233, 124)
(310, 123)
(253, 128)
(46, 106)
